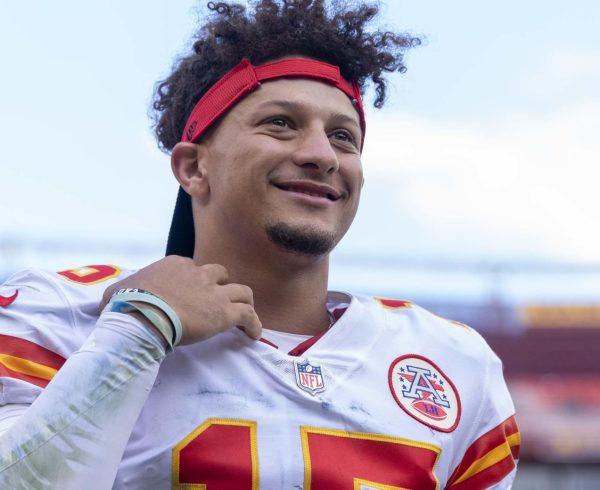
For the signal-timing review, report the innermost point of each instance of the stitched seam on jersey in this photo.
(472, 436)
(340, 381)
(482, 405)
(360, 362)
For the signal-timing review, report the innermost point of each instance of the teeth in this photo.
(329, 196)
(312, 194)
(308, 193)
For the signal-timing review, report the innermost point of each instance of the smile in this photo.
(308, 188)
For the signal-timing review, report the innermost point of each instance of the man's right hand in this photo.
(201, 295)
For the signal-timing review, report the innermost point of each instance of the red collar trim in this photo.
(245, 78)
(302, 347)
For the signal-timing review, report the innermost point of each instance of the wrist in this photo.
(148, 324)
(155, 312)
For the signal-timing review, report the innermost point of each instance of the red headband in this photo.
(245, 78)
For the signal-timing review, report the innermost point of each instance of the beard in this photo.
(303, 240)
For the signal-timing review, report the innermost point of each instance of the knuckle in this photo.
(231, 318)
(247, 291)
(218, 270)
(178, 260)
(240, 314)
(248, 312)
(170, 259)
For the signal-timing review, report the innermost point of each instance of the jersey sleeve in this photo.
(77, 429)
(44, 318)
(492, 454)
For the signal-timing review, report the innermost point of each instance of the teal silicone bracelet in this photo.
(142, 296)
(161, 324)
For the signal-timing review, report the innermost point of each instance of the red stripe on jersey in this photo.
(9, 373)
(16, 347)
(487, 477)
(304, 346)
(494, 452)
(268, 342)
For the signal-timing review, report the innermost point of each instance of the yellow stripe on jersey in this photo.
(491, 458)
(30, 368)
(359, 484)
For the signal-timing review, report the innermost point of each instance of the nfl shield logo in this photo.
(309, 377)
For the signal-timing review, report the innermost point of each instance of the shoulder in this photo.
(38, 304)
(444, 375)
(80, 288)
(412, 334)
(44, 317)
(425, 330)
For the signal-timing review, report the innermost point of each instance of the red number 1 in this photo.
(221, 454)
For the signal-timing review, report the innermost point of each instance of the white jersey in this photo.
(390, 397)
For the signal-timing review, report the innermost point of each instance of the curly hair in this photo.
(271, 29)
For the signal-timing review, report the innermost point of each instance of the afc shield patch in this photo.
(424, 392)
(309, 377)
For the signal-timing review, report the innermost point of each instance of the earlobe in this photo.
(187, 164)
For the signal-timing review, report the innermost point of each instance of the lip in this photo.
(310, 190)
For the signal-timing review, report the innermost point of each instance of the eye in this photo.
(278, 121)
(343, 135)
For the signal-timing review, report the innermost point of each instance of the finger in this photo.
(239, 293)
(216, 272)
(244, 316)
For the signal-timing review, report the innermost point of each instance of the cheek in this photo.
(356, 191)
(355, 179)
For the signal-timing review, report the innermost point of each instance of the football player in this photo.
(227, 364)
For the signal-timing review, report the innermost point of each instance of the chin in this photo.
(302, 240)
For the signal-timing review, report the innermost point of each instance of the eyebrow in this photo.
(295, 106)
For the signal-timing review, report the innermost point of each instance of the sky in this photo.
(486, 152)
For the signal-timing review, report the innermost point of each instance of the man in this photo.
(227, 364)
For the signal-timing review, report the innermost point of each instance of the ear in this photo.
(187, 164)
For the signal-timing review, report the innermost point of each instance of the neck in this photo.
(290, 291)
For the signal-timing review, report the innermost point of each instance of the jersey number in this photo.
(221, 454)
(91, 274)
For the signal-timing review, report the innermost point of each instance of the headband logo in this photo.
(190, 131)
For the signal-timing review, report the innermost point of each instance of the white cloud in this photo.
(565, 69)
(527, 186)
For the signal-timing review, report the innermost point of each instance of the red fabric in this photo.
(304, 346)
(487, 477)
(487, 442)
(16, 347)
(7, 300)
(338, 459)
(265, 341)
(34, 380)
(30, 351)
(245, 78)
(220, 457)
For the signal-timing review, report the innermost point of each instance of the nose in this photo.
(314, 151)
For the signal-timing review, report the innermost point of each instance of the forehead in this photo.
(310, 95)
